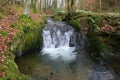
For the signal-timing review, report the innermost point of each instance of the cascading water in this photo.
(61, 40)
(61, 58)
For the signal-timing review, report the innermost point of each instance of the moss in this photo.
(11, 69)
(60, 13)
(101, 49)
(59, 16)
(102, 46)
(14, 25)
(74, 24)
(4, 33)
(29, 37)
(1, 16)
(24, 17)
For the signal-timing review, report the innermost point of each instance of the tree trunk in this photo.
(55, 4)
(73, 5)
(35, 9)
(27, 8)
(100, 5)
(65, 5)
(41, 6)
(68, 5)
(62, 5)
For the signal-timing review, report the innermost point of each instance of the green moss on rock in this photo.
(29, 37)
(10, 69)
(75, 24)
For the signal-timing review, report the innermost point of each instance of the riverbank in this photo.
(8, 68)
(103, 32)
(19, 34)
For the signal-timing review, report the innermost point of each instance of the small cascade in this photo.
(61, 57)
(61, 40)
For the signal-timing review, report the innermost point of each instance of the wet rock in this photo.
(107, 75)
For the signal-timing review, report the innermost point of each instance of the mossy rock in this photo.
(59, 16)
(11, 69)
(74, 24)
(29, 37)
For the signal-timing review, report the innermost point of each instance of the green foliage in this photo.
(25, 24)
(14, 25)
(29, 37)
(101, 48)
(1, 16)
(59, 12)
(102, 51)
(59, 16)
(93, 26)
(4, 33)
(91, 20)
(35, 10)
(11, 69)
(74, 24)
(23, 17)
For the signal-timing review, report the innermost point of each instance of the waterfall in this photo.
(60, 40)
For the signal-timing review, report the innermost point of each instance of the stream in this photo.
(62, 57)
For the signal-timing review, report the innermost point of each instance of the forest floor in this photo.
(7, 34)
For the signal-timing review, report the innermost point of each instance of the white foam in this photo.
(56, 42)
(62, 53)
